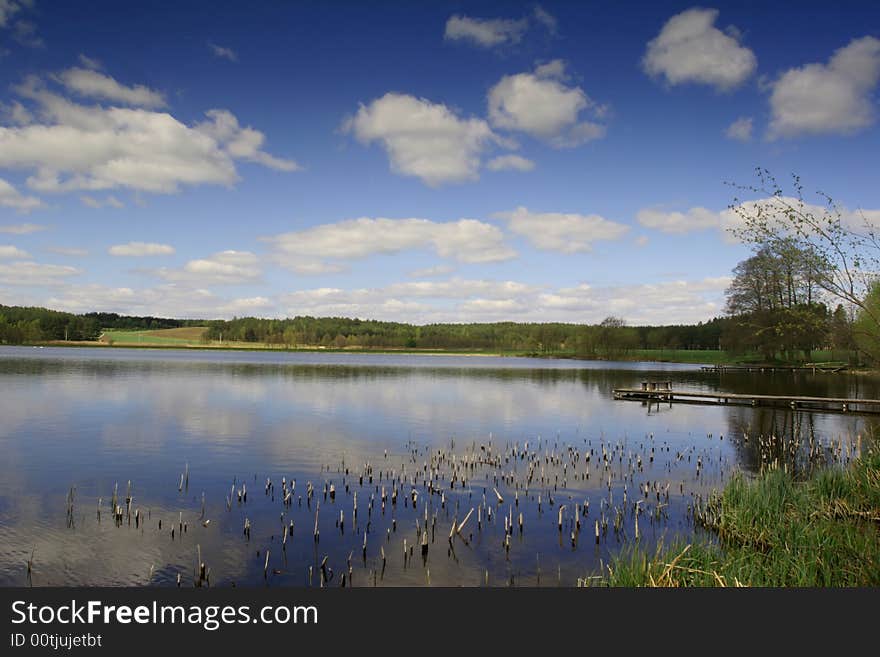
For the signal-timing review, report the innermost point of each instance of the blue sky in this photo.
(415, 161)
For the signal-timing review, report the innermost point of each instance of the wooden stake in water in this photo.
(317, 533)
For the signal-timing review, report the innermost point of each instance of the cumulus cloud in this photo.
(25, 273)
(462, 300)
(832, 98)
(97, 203)
(452, 300)
(8, 9)
(456, 288)
(90, 62)
(510, 163)
(485, 32)
(497, 32)
(168, 300)
(545, 18)
(25, 33)
(666, 302)
(740, 130)
(563, 232)
(423, 139)
(15, 113)
(223, 53)
(12, 198)
(140, 249)
(223, 268)
(542, 105)
(21, 229)
(92, 148)
(700, 218)
(92, 84)
(466, 240)
(690, 48)
(428, 272)
(68, 251)
(412, 301)
(679, 223)
(8, 251)
(241, 143)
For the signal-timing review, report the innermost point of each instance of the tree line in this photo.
(611, 338)
(27, 325)
(813, 282)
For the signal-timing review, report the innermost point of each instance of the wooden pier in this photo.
(818, 368)
(662, 392)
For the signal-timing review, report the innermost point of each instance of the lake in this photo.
(165, 427)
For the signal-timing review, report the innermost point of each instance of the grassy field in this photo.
(776, 531)
(190, 335)
(708, 356)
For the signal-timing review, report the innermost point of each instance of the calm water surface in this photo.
(93, 419)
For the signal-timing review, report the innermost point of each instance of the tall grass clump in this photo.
(775, 531)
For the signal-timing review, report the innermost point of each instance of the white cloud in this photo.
(242, 143)
(90, 148)
(466, 240)
(423, 139)
(669, 302)
(7, 252)
(26, 273)
(413, 301)
(429, 272)
(690, 48)
(541, 105)
(740, 130)
(15, 113)
(832, 98)
(68, 251)
(12, 198)
(25, 32)
(679, 223)
(485, 32)
(310, 267)
(461, 300)
(457, 288)
(21, 229)
(223, 53)
(495, 32)
(510, 163)
(453, 300)
(566, 233)
(8, 9)
(499, 309)
(699, 218)
(245, 306)
(545, 18)
(92, 84)
(90, 62)
(167, 300)
(140, 249)
(108, 202)
(223, 268)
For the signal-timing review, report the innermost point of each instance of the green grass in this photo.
(707, 356)
(776, 531)
(160, 337)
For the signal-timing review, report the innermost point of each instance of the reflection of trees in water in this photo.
(601, 380)
(798, 440)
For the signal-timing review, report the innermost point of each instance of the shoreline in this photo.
(711, 360)
(378, 351)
